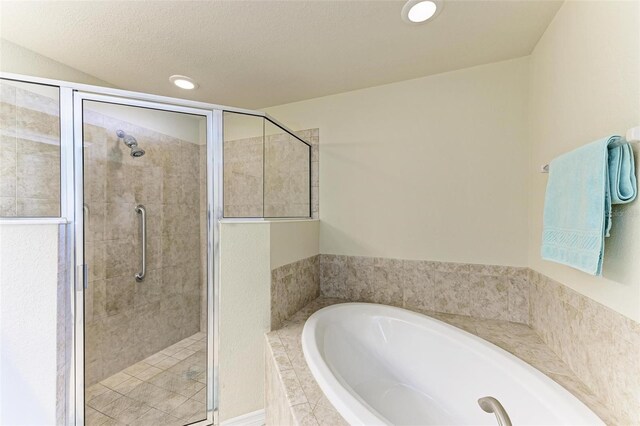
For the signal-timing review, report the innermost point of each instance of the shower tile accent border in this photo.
(481, 291)
(601, 346)
(293, 396)
(293, 286)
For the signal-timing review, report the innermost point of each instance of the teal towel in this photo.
(582, 186)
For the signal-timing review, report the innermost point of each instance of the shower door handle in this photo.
(143, 242)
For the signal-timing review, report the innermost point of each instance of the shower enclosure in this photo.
(135, 183)
(145, 302)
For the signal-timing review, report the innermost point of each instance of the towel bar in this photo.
(632, 136)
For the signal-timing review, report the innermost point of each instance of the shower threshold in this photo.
(167, 388)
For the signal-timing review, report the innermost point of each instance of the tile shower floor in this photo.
(168, 388)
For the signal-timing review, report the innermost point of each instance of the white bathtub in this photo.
(383, 365)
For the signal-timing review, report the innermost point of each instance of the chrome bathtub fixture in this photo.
(140, 209)
(131, 143)
(491, 405)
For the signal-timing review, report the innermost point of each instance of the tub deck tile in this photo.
(308, 405)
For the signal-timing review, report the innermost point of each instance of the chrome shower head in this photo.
(137, 151)
(131, 143)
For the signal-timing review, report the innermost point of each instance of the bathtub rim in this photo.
(357, 411)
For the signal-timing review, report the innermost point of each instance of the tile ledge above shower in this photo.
(293, 392)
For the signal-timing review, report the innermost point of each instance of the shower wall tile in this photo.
(8, 171)
(243, 177)
(292, 287)
(29, 153)
(94, 222)
(37, 207)
(286, 176)
(129, 320)
(119, 257)
(270, 176)
(7, 206)
(95, 256)
(483, 291)
(601, 346)
(202, 175)
(8, 109)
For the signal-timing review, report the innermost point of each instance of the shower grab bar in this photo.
(140, 209)
(491, 405)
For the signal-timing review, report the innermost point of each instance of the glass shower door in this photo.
(146, 359)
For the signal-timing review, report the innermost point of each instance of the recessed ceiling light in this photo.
(419, 11)
(183, 82)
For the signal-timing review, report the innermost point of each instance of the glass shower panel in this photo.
(286, 174)
(243, 165)
(29, 149)
(146, 248)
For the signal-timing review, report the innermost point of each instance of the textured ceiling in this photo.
(260, 53)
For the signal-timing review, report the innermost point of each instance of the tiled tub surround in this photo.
(168, 388)
(29, 153)
(127, 321)
(269, 176)
(600, 346)
(294, 398)
(481, 291)
(293, 286)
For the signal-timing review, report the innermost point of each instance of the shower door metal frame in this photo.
(214, 209)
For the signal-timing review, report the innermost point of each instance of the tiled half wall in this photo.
(483, 291)
(293, 286)
(601, 346)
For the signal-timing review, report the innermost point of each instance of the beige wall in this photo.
(432, 168)
(18, 60)
(293, 240)
(446, 167)
(28, 291)
(249, 251)
(245, 275)
(585, 84)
